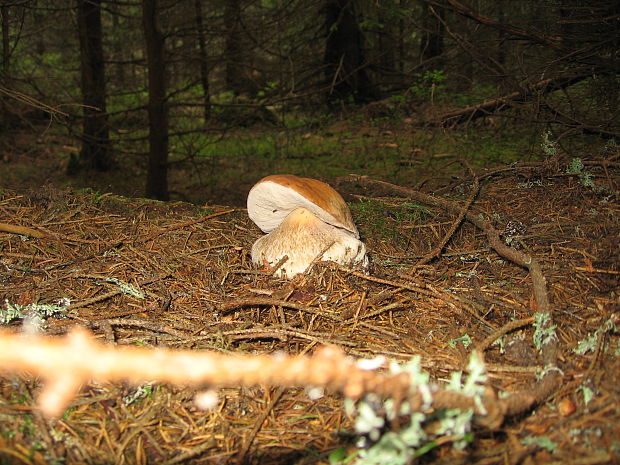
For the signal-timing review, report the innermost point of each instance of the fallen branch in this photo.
(455, 225)
(31, 101)
(549, 382)
(570, 122)
(504, 102)
(511, 326)
(22, 230)
(67, 363)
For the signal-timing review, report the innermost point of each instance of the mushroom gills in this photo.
(304, 238)
(275, 197)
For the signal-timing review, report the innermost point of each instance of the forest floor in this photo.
(200, 291)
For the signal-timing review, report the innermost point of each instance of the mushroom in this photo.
(305, 220)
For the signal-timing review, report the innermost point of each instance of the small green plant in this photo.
(472, 96)
(33, 314)
(588, 344)
(383, 220)
(95, 195)
(611, 144)
(549, 146)
(587, 392)
(340, 456)
(8, 434)
(541, 441)
(27, 426)
(224, 98)
(465, 339)
(429, 84)
(585, 177)
(398, 99)
(576, 166)
(545, 332)
(141, 392)
(67, 413)
(377, 446)
(125, 288)
(269, 88)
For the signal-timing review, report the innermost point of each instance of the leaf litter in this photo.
(139, 272)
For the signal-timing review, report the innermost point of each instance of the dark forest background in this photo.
(184, 95)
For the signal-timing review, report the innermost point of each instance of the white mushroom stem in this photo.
(305, 238)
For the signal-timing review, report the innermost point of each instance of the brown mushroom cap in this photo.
(274, 197)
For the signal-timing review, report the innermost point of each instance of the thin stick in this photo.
(472, 196)
(21, 230)
(501, 331)
(258, 424)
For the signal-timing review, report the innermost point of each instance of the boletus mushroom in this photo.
(305, 220)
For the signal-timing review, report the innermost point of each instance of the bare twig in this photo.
(258, 424)
(31, 101)
(263, 301)
(472, 196)
(503, 330)
(110, 294)
(196, 451)
(550, 41)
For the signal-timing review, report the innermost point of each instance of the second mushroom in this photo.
(305, 220)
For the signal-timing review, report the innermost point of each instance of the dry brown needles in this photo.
(199, 296)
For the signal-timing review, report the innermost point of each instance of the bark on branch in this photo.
(505, 102)
(67, 363)
(23, 230)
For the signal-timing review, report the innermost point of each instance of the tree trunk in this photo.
(344, 55)
(431, 45)
(95, 152)
(118, 45)
(6, 52)
(387, 45)
(202, 58)
(402, 51)
(237, 80)
(157, 174)
(502, 42)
